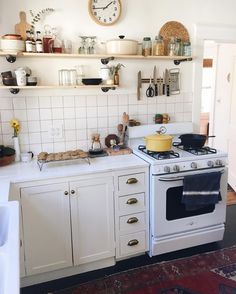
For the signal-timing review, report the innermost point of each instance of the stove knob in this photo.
(194, 165)
(176, 168)
(210, 163)
(166, 169)
(219, 162)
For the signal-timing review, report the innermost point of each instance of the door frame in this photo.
(202, 32)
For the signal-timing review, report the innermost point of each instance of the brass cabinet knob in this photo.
(131, 181)
(133, 242)
(132, 201)
(132, 220)
(66, 193)
(72, 192)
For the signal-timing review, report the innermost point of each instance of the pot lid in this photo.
(159, 137)
(122, 38)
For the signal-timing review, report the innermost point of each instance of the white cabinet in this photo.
(46, 228)
(92, 216)
(132, 213)
(57, 217)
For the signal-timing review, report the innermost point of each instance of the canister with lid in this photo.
(158, 47)
(147, 46)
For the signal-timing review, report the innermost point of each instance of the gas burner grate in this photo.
(159, 155)
(199, 151)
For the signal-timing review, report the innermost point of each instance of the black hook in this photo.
(106, 89)
(14, 90)
(10, 58)
(106, 60)
(178, 61)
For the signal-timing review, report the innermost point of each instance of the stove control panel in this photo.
(188, 166)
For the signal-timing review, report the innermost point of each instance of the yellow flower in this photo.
(16, 126)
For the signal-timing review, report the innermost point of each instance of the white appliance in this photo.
(171, 226)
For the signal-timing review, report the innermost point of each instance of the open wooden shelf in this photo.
(2, 87)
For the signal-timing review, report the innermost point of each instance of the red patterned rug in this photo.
(207, 273)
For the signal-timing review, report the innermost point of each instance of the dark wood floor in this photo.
(229, 240)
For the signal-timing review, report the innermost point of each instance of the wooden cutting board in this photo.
(22, 26)
(124, 151)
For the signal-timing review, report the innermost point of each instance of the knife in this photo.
(139, 85)
(163, 84)
(160, 86)
(155, 81)
(167, 82)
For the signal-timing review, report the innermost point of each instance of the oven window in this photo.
(176, 210)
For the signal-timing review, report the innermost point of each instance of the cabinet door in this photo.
(92, 213)
(46, 228)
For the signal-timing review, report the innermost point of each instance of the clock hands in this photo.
(98, 8)
(107, 5)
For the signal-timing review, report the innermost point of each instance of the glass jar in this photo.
(187, 49)
(147, 46)
(46, 38)
(171, 47)
(178, 46)
(158, 47)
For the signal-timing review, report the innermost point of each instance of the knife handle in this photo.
(156, 90)
(167, 90)
(163, 89)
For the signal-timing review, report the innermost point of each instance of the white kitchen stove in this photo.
(172, 227)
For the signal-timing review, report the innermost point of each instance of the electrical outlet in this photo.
(56, 132)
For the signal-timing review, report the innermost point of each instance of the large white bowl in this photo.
(12, 45)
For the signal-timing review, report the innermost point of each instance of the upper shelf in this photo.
(102, 56)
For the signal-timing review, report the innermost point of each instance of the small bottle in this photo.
(33, 41)
(178, 46)
(171, 47)
(116, 79)
(158, 48)
(147, 46)
(187, 49)
(28, 42)
(39, 43)
(46, 38)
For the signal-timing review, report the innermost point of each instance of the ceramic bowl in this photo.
(12, 45)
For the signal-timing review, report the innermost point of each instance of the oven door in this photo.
(168, 214)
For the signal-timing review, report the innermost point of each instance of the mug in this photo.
(166, 118)
(26, 156)
(21, 77)
(158, 118)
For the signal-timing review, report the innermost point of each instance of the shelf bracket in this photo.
(106, 60)
(106, 89)
(14, 90)
(178, 61)
(10, 58)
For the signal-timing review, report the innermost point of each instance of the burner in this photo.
(199, 151)
(158, 155)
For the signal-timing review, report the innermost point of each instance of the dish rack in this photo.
(41, 162)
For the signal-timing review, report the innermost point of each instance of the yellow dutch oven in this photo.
(158, 142)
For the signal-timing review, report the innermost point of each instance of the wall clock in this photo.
(105, 12)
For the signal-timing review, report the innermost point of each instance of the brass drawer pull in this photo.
(72, 191)
(132, 220)
(133, 242)
(132, 201)
(66, 193)
(132, 181)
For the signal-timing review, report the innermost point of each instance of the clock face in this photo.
(105, 12)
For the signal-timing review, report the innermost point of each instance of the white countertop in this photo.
(21, 172)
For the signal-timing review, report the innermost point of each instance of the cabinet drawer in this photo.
(132, 183)
(132, 222)
(133, 243)
(131, 203)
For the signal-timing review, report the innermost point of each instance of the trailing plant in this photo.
(36, 17)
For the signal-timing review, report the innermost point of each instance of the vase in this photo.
(17, 148)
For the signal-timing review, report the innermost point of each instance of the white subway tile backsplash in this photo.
(33, 114)
(80, 116)
(45, 114)
(19, 103)
(44, 102)
(57, 102)
(32, 102)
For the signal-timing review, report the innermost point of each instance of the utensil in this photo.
(150, 91)
(174, 81)
(139, 85)
(167, 82)
(155, 80)
(164, 84)
(22, 26)
(192, 140)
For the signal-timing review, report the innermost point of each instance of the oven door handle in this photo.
(173, 179)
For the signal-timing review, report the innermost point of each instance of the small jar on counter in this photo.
(158, 46)
(147, 46)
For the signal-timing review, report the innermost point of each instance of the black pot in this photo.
(194, 141)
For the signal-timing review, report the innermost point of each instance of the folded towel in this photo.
(201, 190)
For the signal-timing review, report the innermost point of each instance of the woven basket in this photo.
(5, 160)
(173, 29)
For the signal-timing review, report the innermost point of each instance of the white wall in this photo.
(139, 18)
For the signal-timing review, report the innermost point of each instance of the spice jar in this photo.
(178, 46)
(171, 47)
(158, 47)
(186, 49)
(147, 46)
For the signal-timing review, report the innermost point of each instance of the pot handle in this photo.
(176, 144)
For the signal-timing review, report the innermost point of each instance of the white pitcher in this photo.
(21, 77)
